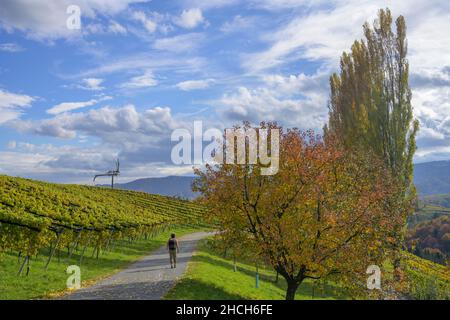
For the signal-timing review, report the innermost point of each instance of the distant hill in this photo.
(175, 186)
(432, 177)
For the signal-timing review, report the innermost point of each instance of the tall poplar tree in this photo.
(370, 102)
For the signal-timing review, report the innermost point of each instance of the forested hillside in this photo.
(431, 239)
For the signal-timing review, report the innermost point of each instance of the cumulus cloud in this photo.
(111, 124)
(12, 105)
(296, 100)
(141, 139)
(189, 19)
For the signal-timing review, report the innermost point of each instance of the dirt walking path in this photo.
(147, 279)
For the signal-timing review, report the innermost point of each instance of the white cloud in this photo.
(238, 24)
(143, 81)
(145, 61)
(23, 164)
(275, 5)
(12, 105)
(189, 19)
(194, 84)
(114, 125)
(149, 24)
(298, 101)
(11, 144)
(58, 164)
(433, 153)
(70, 106)
(321, 33)
(93, 84)
(96, 28)
(210, 4)
(71, 164)
(10, 47)
(181, 43)
(46, 20)
(116, 28)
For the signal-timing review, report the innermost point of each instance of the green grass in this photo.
(211, 277)
(42, 284)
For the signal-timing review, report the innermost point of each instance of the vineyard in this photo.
(428, 280)
(36, 215)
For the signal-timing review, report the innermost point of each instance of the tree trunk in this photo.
(292, 287)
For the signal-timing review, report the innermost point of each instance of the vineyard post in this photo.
(58, 238)
(27, 257)
(75, 245)
(84, 249)
(26, 260)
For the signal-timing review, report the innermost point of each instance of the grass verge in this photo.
(211, 277)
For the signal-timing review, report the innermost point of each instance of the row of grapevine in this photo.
(36, 215)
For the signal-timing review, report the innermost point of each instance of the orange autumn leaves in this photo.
(326, 212)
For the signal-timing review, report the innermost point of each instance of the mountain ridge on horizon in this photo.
(174, 186)
(430, 178)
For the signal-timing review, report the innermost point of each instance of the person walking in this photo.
(172, 246)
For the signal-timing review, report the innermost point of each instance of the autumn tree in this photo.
(370, 103)
(322, 214)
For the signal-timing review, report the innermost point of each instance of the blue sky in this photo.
(73, 100)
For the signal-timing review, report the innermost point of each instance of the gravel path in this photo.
(147, 279)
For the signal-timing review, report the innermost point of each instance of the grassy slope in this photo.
(41, 283)
(211, 277)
